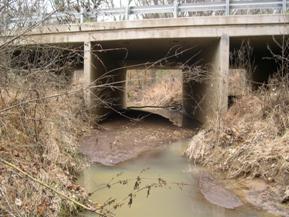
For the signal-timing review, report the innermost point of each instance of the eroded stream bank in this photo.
(151, 151)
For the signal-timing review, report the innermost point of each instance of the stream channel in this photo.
(171, 200)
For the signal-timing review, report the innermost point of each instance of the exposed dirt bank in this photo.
(260, 194)
(120, 139)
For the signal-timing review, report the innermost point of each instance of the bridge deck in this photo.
(193, 27)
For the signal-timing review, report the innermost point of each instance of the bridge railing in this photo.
(210, 8)
(224, 7)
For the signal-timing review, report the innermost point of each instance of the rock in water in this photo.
(216, 194)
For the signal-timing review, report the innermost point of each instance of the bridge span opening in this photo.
(197, 60)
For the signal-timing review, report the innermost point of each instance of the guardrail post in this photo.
(284, 6)
(81, 15)
(227, 8)
(127, 12)
(176, 9)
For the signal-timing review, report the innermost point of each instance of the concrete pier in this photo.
(104, 79)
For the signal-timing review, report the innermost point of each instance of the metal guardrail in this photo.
(225, 6)
(215, 7)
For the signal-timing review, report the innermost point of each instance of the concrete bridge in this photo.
(110, 47)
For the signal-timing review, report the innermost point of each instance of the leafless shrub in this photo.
(242, 58)
(195, 73)
(275, 93)
(38, 131)
(281, 57)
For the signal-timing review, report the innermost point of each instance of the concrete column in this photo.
(104, 73)
(221, 69)
(206, 100)
(89, 70)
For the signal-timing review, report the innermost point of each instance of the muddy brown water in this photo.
(162, 158)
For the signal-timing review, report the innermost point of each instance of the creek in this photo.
(171, 200)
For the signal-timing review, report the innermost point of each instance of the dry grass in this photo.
(255, 138)
(166, 91)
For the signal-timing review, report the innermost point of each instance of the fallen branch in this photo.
(14, 167)
(151, 106)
